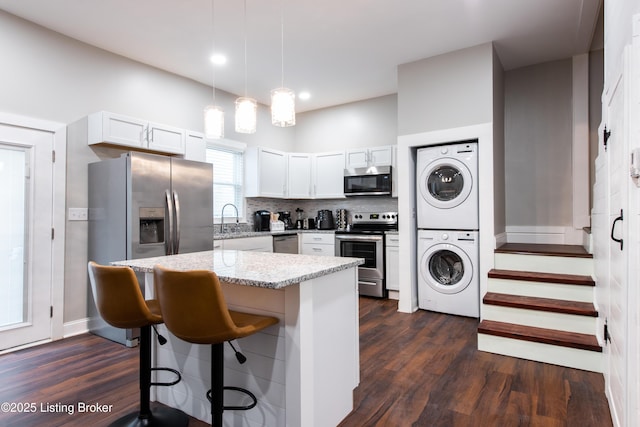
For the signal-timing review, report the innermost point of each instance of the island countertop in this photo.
(261, 269)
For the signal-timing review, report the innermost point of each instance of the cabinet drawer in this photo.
(318, 249)
(392, 240)
(323, 238)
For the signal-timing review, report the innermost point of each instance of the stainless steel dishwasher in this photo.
(285, 244)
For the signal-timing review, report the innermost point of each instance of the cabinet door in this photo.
(380, 156)
(299, 176)
(357, 158)
(328, 175)
(165, 139)
(255, 244)
(195, 147)
(273, 173)
(104, 127)
(392, 268)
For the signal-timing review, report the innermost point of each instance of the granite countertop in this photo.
(261, 269)
(233, 235)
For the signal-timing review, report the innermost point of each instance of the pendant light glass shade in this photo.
(213, 122)
(283, 107)
(246, 113)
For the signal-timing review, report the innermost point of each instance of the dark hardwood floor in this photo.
(421, 369)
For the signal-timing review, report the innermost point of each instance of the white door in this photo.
(616, 306)
(26, 173)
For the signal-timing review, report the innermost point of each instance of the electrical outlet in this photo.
(78, 214)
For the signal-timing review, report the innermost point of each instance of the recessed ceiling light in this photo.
(304, 95)
(218, 59)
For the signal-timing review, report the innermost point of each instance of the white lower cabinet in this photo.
(322, 244)
(392, 262)
(256, 244)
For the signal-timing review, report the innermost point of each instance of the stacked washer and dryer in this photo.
(448, 224)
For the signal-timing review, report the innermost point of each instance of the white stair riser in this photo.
(587, 242)
(540, 319)
(541, 289)
(546, 353)
(544, 264)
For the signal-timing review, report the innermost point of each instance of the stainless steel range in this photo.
(365, 239)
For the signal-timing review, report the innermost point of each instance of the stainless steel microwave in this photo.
(371, 181)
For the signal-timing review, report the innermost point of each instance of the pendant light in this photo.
(283, 100)
(213, 115)
(246, 108)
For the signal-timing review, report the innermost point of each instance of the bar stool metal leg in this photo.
(159, 417)
(217, 384)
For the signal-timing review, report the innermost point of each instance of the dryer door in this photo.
(446, 268)
(445, 183)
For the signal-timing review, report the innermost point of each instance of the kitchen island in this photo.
(303, 370)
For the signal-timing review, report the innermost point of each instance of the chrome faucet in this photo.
(222, 217)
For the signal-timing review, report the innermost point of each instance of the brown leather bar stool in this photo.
(194, 310)
(120, 303)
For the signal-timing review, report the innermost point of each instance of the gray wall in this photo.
(538, 139)
(368, 123)
(499, 177)
(46, 75)
(446, 91)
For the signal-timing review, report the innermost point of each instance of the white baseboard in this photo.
(501, 239)
(556, 235)
(76, 327)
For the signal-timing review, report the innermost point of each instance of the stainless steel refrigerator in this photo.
(144, 205)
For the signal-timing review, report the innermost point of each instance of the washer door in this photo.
(446, 268)
(445, 183)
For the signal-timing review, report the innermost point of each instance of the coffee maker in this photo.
(286, 218)
(261, 220)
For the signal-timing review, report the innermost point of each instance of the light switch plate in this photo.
(78, 214)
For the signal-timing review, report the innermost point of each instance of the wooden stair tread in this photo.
(541, 335)
(575, 251)
(534, 276)
(540, 304)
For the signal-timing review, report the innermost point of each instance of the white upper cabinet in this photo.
(116, 129)
(195, 147)
(328, 175)
(266, 173)
(364, 157)
(299, 176)
(273, 173)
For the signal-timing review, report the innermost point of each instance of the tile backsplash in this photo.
(311, 207)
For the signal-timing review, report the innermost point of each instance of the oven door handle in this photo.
(359, 237)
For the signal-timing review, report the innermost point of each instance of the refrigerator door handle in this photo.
(176, 204)
(168, 241)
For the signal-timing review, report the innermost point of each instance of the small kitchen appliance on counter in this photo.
(325, 220)
(261, 220)
(365, 239)
(286, 218)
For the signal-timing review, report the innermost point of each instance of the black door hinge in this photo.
(53, 233)
(51, 311)
(53, 156)
(607, 337)
(606, 133)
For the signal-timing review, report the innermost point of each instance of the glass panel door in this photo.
(13, 243)
(26, 235)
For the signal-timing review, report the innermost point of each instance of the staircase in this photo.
(539, 306)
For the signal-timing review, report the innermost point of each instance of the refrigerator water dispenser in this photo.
(151, 225)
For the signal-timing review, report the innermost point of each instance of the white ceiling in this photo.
(338, 50)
